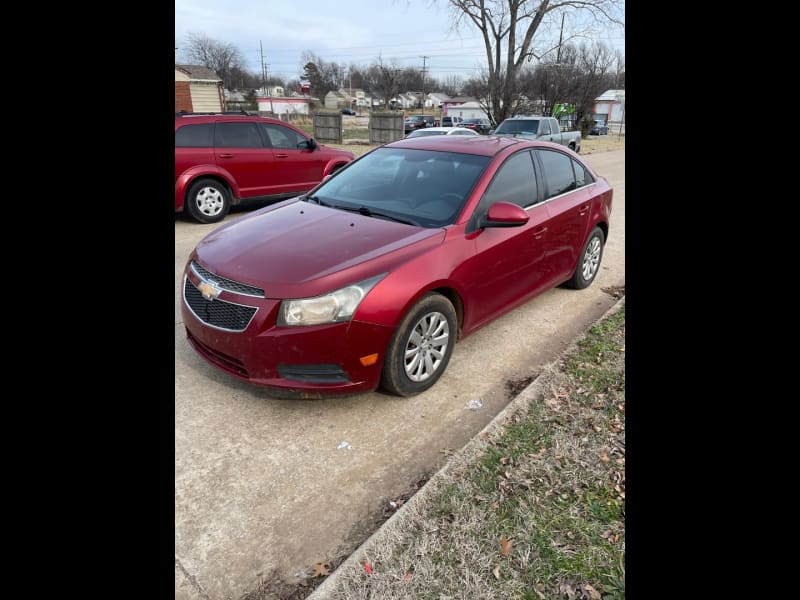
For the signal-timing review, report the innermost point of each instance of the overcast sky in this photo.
(342, 31)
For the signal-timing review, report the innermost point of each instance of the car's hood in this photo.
(298, 249)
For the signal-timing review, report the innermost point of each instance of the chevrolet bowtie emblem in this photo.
(209, 290)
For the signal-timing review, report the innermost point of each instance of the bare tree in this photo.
(221, 57)
(450, 85)
(509, 29)
(384, 80)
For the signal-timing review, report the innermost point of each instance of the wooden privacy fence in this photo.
(385, 126)
(328, 127)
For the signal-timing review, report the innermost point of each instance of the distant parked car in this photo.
(599, 129)
(442, 131)
(482, 126)
(452, 121)
(348, 111)
(418, 122)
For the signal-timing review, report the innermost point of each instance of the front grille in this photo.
(217, 313)
(227, 284)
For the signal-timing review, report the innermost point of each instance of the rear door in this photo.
(240, 150)
(568, 202)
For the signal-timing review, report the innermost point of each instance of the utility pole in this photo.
(264, 77)
(424, 58)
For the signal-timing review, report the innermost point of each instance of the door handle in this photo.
(539, 232)
(281, 156)
(583, 209)
(226, 155)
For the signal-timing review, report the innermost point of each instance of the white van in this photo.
(452, 121)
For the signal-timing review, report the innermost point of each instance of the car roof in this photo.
(444, 129)
(208, 118)
(485, 145)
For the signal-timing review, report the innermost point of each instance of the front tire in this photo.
(208, 201)
(421, 347)
(589, 261)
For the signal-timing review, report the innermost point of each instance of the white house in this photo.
(283, 105)
(610, 106)
(467, 110)
(436, 100)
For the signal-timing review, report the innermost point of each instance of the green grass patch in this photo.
(551, 479)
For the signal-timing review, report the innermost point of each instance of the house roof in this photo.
(610, 95)
(461, 99)
(199, 72)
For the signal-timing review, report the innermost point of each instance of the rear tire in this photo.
(208, 201)
(589, 261)
(421, 347)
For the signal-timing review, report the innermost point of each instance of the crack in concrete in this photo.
(192, 580)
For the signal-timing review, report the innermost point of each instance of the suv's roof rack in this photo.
(183, 113)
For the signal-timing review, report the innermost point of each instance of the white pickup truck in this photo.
(539, 128)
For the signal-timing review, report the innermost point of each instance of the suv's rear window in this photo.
(194, 136)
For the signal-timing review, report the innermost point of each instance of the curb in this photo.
(472, 448)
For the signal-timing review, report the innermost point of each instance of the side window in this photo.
(194, 136)
(515, 182)
(237, 135)
(283, 137)
(544, 127)
(557, 172)
(582, 175)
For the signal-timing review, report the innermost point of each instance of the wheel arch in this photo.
(188, 177)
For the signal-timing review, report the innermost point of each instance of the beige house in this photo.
(197, 89)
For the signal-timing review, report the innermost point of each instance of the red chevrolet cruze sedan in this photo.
(369, 279)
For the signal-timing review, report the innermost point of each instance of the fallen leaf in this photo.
(505, 545)
(494, 505)
(321, 569)
(496, 572)
(408, 576)
(446, 451)
(367, 567)
(566, 589)
(593, 593)
(538, 589)
(604, 456)
(505, 460)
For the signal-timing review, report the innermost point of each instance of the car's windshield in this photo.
(525, 126)
(420, 186)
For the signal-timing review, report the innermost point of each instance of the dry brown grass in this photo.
(550, 476)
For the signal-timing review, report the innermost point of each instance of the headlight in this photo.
(329, 308)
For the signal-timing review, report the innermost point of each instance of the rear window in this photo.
(194, 136)
(524, 126)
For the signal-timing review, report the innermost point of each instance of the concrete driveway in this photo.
(264, 488)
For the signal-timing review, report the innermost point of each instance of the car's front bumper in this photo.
(309, 362)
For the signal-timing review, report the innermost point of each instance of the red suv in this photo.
(222, 159)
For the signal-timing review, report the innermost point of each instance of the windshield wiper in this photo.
(317, 199)
(371, 213)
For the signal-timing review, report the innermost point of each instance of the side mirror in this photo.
(505, 214)
(309, 144)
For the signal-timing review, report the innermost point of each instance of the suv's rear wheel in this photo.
(208, 201)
